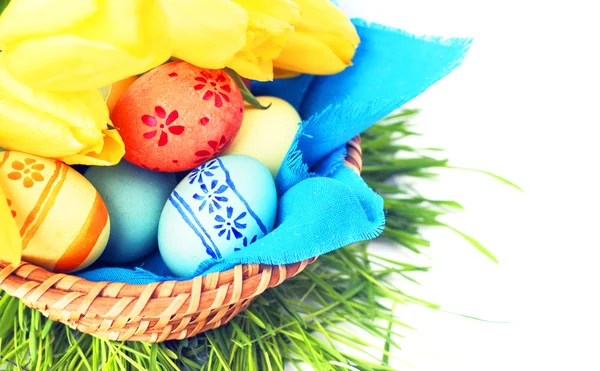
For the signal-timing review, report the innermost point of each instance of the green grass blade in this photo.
(497, 177)
(475, 243)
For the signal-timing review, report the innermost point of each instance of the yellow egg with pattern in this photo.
(63, 222)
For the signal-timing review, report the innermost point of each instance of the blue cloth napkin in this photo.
(322, 204)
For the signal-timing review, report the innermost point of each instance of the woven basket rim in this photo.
(152, 312)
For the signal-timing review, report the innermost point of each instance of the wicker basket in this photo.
(155, 312)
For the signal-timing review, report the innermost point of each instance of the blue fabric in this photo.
(322, 204)
(291, 90)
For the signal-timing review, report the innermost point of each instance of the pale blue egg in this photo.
(218, 208)
(134, 198)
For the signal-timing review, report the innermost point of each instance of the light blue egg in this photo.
(218, 208)
(134, 198)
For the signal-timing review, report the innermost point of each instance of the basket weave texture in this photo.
(155, 312)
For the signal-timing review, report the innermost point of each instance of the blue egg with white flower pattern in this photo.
(222, 206)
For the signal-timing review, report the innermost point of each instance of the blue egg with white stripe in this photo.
(219, 208)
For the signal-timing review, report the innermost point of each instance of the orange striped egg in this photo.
(62, 219)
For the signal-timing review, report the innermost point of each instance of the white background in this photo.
(524, 105)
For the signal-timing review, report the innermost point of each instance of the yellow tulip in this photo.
(269, 26)
(72, 46)
(64, 45)
(10, 240)
(206, 33)
(70, 126)
(323, 42)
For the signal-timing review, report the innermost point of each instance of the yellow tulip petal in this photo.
(284, 10)
(343, 48)
(26, 130)
(324, 40)
(265, 38)
(112, 152)
(136, 26)
(284, 74)
(267, 35)
(10, 240)
(119, 39)
(54, 124)
(246, 64)
(206, 33)
(71, 63)
(269, 25)
(35, 18)
(328, 23)
(85, 109)
(303, 53)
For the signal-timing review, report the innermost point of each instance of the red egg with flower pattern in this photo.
(178, 116)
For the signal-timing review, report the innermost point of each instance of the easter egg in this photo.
(134, 198)
(63, 221)
(178, 116)
(222, 206)
(267, 134)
